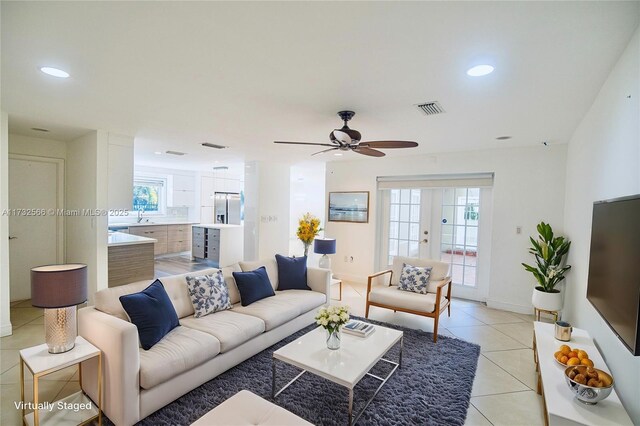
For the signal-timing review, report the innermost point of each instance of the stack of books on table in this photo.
(358, 328)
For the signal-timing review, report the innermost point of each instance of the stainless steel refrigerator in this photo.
(226, 207)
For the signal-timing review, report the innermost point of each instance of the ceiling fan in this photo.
(346, 139)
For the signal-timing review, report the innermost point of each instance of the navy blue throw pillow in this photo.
(152, 313)
(292, 273)
(253, 285)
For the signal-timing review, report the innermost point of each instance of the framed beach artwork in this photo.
(349, 206)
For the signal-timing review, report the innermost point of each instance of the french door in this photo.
(446, 224)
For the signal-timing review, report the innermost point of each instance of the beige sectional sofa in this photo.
(139, 382)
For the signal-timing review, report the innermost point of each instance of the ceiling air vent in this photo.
(431, 108)
(175, 153)
(213, 145)
(221, 168)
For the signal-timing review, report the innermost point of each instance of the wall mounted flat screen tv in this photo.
(614, 267)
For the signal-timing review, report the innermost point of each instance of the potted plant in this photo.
(550, 252)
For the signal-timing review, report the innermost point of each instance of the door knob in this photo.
(13, 238)
(425, 241)
(426, 232)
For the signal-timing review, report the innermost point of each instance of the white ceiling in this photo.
(176, 74)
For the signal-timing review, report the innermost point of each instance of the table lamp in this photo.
(58, 289)
(324, 246)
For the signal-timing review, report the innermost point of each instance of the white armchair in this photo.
(432, 304)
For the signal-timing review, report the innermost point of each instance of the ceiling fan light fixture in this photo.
(55, 72)
(338, 154)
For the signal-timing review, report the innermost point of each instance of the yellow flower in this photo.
(308, 228)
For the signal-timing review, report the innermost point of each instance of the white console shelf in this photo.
(561, 408)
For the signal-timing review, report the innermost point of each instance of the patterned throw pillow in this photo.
(414, 279)
(209, 294)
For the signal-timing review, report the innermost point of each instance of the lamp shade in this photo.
(58, 286)
(324, 245)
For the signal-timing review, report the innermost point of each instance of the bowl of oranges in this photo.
(566, 356)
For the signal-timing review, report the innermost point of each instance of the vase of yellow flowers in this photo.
(308, 229)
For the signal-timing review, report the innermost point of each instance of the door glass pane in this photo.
(415, 196)
(404, 231)
(404, 212)
(415, 213)
(469, 276)
(447, 196)
(393, 229)
(456, 273)
(459, 237)
(393, 247)
(447, 215)
(445, 253)
(447, 234)
(472, 236)
(461, 196)
(405, 196)
(394, 212)
(395, 196)
(403, 248)
(470, 257)
(474, 194)
(414, 231)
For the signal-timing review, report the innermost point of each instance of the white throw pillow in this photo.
(209, 293)
(414, 279)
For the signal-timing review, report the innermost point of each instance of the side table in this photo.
(74, 409)
(335, 281)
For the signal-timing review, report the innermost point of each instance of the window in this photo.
(459, 242)
(149, 195)
(404, 223)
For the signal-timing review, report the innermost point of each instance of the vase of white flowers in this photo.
(332, 318)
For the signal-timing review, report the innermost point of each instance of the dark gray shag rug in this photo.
(433, 387)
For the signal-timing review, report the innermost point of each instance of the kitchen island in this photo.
(219, 244)
(131, 258)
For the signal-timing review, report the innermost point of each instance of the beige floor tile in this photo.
(521, 331)
(38, 321)
(8, 358)
(23, 304)
(487, 337)
(518, 363)
(491, 316)
(24, 337)
(70, 388)
(475, 418)
(458, 318)
(511, 409)
(491, 379)
(12, 376)
(465, 303)
(22, 316)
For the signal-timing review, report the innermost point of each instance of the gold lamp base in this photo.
(61, 329)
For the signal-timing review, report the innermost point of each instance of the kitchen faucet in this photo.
(140, 212)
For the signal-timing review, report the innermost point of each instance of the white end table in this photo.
(337, 281)
(74, 409)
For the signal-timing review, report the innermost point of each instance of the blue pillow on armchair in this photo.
(253, 285)
(152, 313)
(292, 273)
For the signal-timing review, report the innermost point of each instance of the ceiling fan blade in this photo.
(389, 144)
(368, 151)
(342, 137)
(306, 143)
(326, 150)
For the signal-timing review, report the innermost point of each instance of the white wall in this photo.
(604, 162)
(5, 321)
(267, 189)
(307, 195)
(27, 145)
(528, 188)
(87, 188)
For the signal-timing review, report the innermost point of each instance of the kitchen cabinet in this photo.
(184, 183)
(221, 245)
(158, 232)
(183, 198)
(206, 191)
(178, 238)
(171, 238)
(120, 172)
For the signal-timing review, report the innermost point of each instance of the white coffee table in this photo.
(345, 366)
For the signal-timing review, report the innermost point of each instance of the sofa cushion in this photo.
(306, 300)
(414, 279)
(180, 350)
(391, 296)
(253, 285)
(274, 311)
(227, 272)
(269, 264)
(152, 313)
(230, 328)
(439, 270)
(292, 273)
(209, 293)
(108, 300)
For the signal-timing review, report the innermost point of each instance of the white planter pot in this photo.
(547, 301)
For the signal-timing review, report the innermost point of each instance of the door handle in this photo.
(425, 241)
(426, 232)
(12, 238)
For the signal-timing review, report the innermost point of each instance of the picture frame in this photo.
(349, 206)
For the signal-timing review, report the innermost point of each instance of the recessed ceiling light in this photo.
(480, 70)
(55, 72)
(503, 138)
(40, 129)
(158, 153)
(338, 154)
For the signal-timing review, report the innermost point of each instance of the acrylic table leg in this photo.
(350, 406)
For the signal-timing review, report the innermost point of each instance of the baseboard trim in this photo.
(512, 307)
(6, 330)
(352, 278)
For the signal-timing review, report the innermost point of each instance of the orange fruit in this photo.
(565, 349)
(587, 362)
(557, 354)
(582, 355)
(564, 359)
(572, 354)
(573, 361)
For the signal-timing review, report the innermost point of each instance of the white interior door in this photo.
(36, 234)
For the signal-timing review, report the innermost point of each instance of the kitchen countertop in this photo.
(123, 239)
(150, 223)
(217, 225)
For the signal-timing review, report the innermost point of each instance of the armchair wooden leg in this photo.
(449, 309)
(366, 310)
(435, 329)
